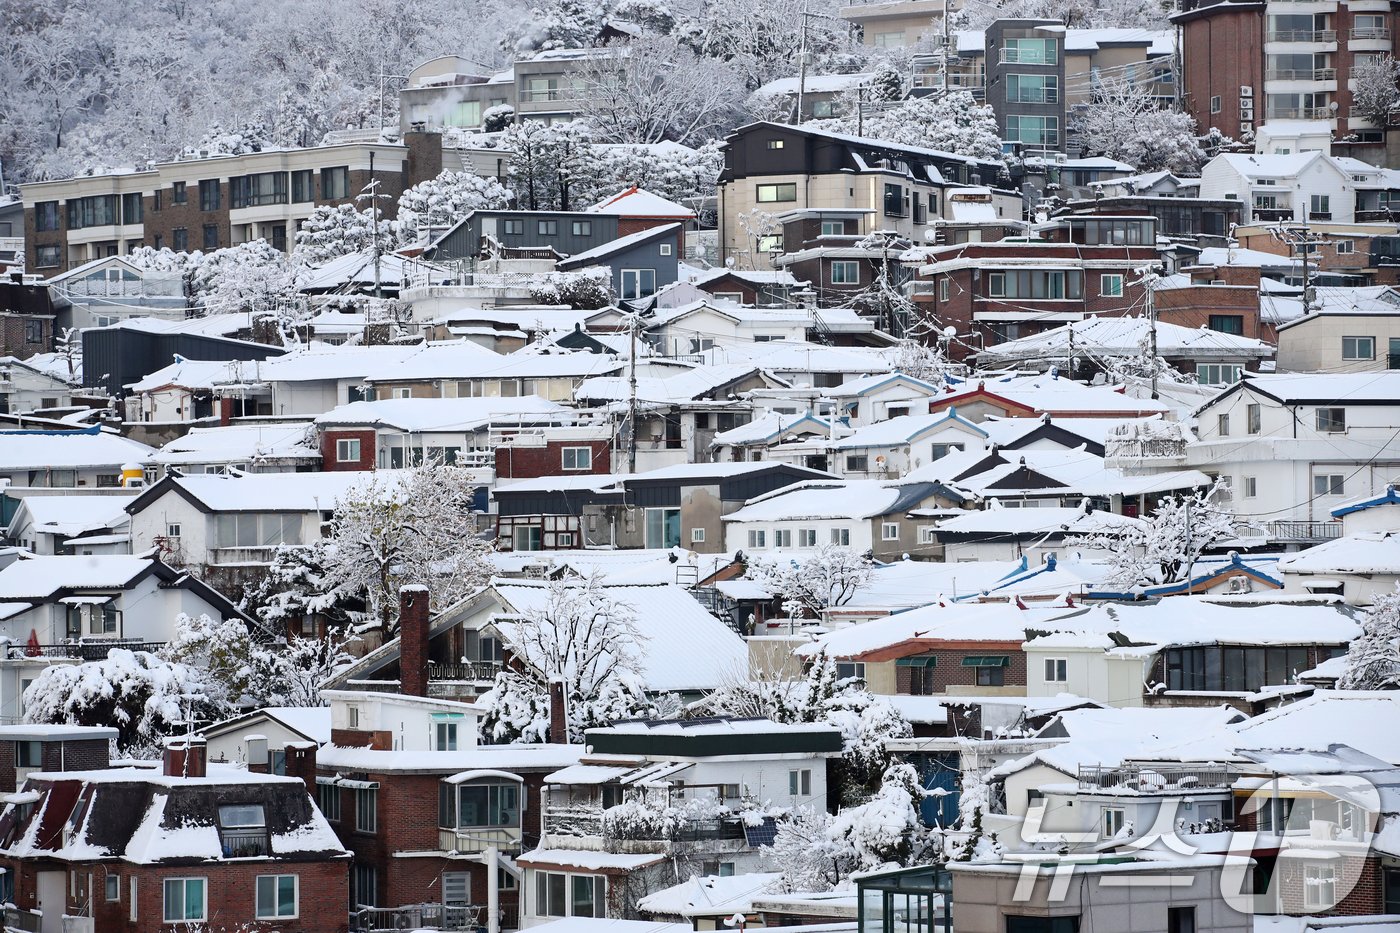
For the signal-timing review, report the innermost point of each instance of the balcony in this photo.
(545, 95)
(1307, 74)
(1272, 214)
(1379, 33)
(1290, 532)
(1303, 35)
(589, 821)
(894, 207)
(79, 651)
(467, 671)
(425, 917)
(244, 843)
(1017, 57)
(1048, 95)
(1319, 215)
(1301, 113)
(470, 839)
(1098, 777)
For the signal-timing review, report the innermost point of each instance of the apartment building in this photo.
(772, 170)
(898, 23)
(1248, 64)
(207, 202)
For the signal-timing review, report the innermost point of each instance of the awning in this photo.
(587, 774)
(656, 772)
(482, 774)
(85, 600)
(987, 660)
(928, 660)
(353, 784)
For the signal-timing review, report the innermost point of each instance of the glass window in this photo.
(29, 754)
(1112, 821)
(638, 283)
(277, 897)
(1331, 420)
(841, 537)
(209, 194)
(131, 208)
(347, 450)
(758, 538)
(180, 239)
(1329, 484)
(335, 183)
(1056, 670)
(1214, 374)
(578, 458)
(303, 186)
(185, 899)
(445, 736)
(548, 227)
(582, 228)
(1227, 323)
(770, 243)
(833, 228)
(1222, 424)
(845, 272)
(1032, 89)
(1031, 51)
(513, 226)
(1111, 286)
(663, 528)
(495, 805)
(46, 216)
(782, 537)
(211, 236)
(800, 783)
(768, 194)
(1358, 348)
(46, 257)
(889, 531)
(1041, 132)
(366, 809)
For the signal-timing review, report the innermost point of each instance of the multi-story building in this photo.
(212, 201)
(772, 170)
(1248, 64)
(895, 23)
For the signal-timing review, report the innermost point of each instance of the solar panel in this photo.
(764, 834)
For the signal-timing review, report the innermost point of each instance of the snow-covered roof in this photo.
(250, 442)
(707, 473)
(902, 429)
(638, 202)
(795, 356)
(1268, 166)
(853, 499)
(683, 647)
(195, 374)
(1126, 336)
(586, 859)
(73, 514)
(1036, 522)
(669, 390)
(277, 492)
(607, 925)
(64, 450)
(1244, 257)
(1050, 392)
(1368, 553)
(758, 277)
(864, 384)
(446, 414)
(993, 621)
(37, 578)
(770, 427)
(1328, 388)
(314, 365)
(1111, 736)
(709, 895)
(816, 84)
(314, 722)
(357, 270)
(517, 757)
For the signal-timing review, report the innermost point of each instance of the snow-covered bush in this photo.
(442, 201)
(252, 276)
(584, 289)
(1373, 657)
(335, 230)
(829, 576)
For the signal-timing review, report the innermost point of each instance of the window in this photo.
(1251, 487)
(665, 249)
(479, 805)
(845, 272)
(578, 458)
(1222, 425)
(582, 228)
(1056, 670)
(939, 451)
(1181, 920)
(1227, 324)
(889, 531)
(547, 228)
(1320, 206)
(806, 537)
(366, 809)
(1345, 247)
(277, 897)
(638, 283)
(663, 528)
(1041, 284)
(769, 194)
(758, 538)
(944, 287)
(303, 186)
(209, 194)
(1358, 348)
(1253, 419)
(328, 798)
(991, 676)
(1331, 420)
(1319, 886)
(697, 536)
(1032, 89)
(46, 257)
(775, 144)
(833, 228)
(180, 240)
(1111, 286)
(845, 670)
(1329, 484)
(364, 886)
(445, 736)
(46, 216)
(782, 537)
(1031, 51)
(513, 226)
(1034, 132)
(895, 201)
(1216, 374)
(1215, 104)
(561, 895)
(1112, 821)
(113, 887)
(335, 183)
(179, 193)
(131, 208)
(857, 463)
(258, 190)
(211, 236)
(99, 210)
(841, 537)
(800, 783)
(347, 450)
(185, 899)
(29, 754)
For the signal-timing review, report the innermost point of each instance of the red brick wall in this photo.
(948, 669)
(1222, 52)
(521, 462)
(328, 461)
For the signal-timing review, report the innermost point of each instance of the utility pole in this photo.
(802, 64)
(1150, 298)
(943, 52)
(632, 397)
(374, 232)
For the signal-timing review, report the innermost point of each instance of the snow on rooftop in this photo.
(279, 492)
(1000, 621)
(1036, 522)
(37, 578)
(1368, 553)
(820, 500)
(816, 84)
(1125, 336)
(708, 895)
(518, 757)
(446, 414)
(638, 202)
(250, 442)
(588, 860)
(1338, 388)
(76, 513)
(64, 450)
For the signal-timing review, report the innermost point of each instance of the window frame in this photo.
(889, 531)
(184, 881)
(343, 445)
(587, 458)
(1056, 670)
(367, 803)
(276, 897)
(846, 266)
(780, 192)
(1357, 346)
(1330, 420)
(1111, 285)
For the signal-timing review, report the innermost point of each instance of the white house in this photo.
(871, 399)
(27, 388)
(251, 447)
(72, 524)
(1300, 186)
(701, 326)
(903, 443)
(411, 723)
(277, 726)
(67, 459)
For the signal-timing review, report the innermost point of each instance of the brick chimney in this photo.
(225, 412)
(301, 763)
(558, 718)
(185, 757)
(413, 641)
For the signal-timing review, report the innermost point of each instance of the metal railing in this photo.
(81, 651)
(1301, 74)
(474, 671)
(1371, 32)
(244, 843)
(1015, 57)
(549, 94)
(1303, 35)
(573, 821)
(589, 821)
(1098, 777)
(415, 917)
(479, 839)
(1272, 213)
(1300, 113)
(1045, 96)
(1304, 531)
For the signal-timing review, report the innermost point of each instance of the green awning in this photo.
(923, 660)
(987, 660)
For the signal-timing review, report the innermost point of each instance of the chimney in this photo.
(413, 640)
(225, 412)
(185, 757)
(301, 763)
(257, 753)
(558, 719)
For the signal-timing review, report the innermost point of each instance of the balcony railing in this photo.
(244, 843)
(1303, 35)
(589, 821)
(1319, 215)
(548, 94)
(1371, 32)
(573, 821)
(1301, 113)
(470, 671)
(80, 651)
(1272, 213)
(1392, 361)
(479, 839)
(1017, 57)
(418, 917)
(1292, 532)
(1098, 777)
(1047, 96)
(1304, 74)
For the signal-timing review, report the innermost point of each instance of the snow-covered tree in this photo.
(442, 201)
(1164, 547)
(1377, 91)
(806, 855)
(655, 89)
(829, 576)
(252, 276)
(399, 529)
(764, 42)
(886, 831)
(248, 138)
(548, 164)
(141, 694)
(335, 230)
(557, 24)
(952, 123)
(1373, 657)
(1126, 122)
(584, 289)
(920, 360)
(583, 637)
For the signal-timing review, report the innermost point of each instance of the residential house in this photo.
(641, 262)
(773, 168)
(1361, 334)
(1355, 254)
(1305, 186)
(109, 289)
(1037, 534)
(822, 96)
(50, 525)
(25, 387)
(261, 737)
(772, 289)
(904, 443)
(66, 609)
(638, 209)
(1019, 395)
(1180, 213)
(1360, 565)
(692, 329)
(765, 437)
(460, 370)
(26, 317)
(896, 22)
(184, 392)
(128, 351)
(521, 233)
(67, 459)
(867, 516)
(88, 847)
(249, 447)
(602, 845)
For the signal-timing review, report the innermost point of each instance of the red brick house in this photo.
(138, 849)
